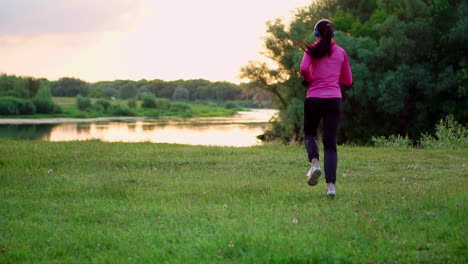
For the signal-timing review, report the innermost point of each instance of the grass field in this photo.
(94, 202)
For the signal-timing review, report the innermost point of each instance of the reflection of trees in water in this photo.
(148, 127)
(30, 131)
(101, 125)
(222, 127)
(83, 128)
(131, 127)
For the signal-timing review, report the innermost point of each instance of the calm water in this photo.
(240, 130)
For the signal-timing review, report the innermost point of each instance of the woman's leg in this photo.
(331, 120)
(312, 116)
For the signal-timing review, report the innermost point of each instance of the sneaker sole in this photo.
(314, 178)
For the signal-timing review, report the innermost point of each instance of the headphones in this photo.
(317, 32)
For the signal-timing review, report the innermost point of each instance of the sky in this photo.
(97, 40)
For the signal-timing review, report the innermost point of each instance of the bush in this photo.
(8, 106)
(132, 103)
(45, 106)
(16, 106)
(99, 108)
(392, 141)
(163, 103)
(44, 93)
(28, 108)
(212, 104)
(449, 134)
(230, 105)
(83, 103)
(121, 110)
(152, 113)
(104, 103)
(149, 101)
(180, 108)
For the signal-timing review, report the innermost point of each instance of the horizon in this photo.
(133, 80)
(89, 41)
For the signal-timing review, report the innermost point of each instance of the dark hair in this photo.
(325, 30)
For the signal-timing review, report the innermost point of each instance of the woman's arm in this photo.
(346, 77)
(305, 67)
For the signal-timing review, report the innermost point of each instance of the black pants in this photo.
(329, 110)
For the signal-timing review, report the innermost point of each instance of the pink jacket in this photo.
(327, 73)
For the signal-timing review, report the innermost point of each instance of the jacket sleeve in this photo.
(305, 67)
(346, 77)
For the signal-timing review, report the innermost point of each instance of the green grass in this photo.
(94, 202)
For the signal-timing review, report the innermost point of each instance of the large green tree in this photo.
(407, 59)
(70, 87)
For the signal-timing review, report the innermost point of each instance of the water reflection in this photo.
(27, 131)
(240, 130)
(207, 134)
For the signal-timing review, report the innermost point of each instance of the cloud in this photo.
(30, 17)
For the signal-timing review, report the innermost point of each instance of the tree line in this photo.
(26, 95)
(408, 60)
(182, 90)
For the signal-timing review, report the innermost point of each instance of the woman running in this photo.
(324, 67)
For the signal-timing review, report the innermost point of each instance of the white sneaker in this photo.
(313, 174)
(331, 193)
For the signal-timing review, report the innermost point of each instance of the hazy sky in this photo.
(135, 39)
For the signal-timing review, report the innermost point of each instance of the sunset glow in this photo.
(135, 39)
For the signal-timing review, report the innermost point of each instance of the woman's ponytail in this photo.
(325, 29)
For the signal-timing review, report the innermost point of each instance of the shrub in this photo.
(180, 108)
(132, 103)
(230, 105)
(152, 113)
(8, 107)
(449, 134)
(83, 103)
(149, 100)
(57, 108)
(121, 110)
(104, 103)
(44, 106)
(212, 104)
(392, 141)
(16, 106)
(44, 92)
(27, 107)
(163, 103)
(99, 108)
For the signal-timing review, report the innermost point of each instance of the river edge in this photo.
(239, 117)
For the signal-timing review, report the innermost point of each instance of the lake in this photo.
(240, 130)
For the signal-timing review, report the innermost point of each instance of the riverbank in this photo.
(138, 202)
(245, 116)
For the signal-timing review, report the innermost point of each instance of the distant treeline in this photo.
(182, 90)
(199, 89)
(27, 95)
